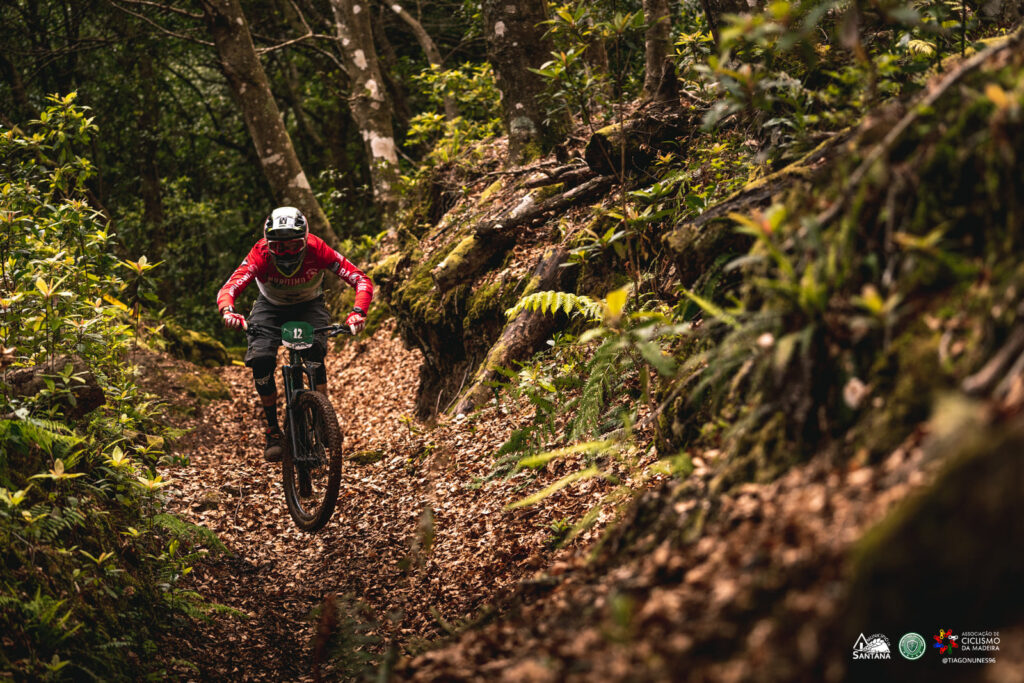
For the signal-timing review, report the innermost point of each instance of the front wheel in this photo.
(312, 460)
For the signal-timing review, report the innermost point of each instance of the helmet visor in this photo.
(286, 247)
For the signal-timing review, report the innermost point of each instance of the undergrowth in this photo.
(798, 341)
(89, 565)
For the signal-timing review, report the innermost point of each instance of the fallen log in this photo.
(83, 393)
(492, 239)
(569, 176)
(522, 336)
(526, 214)
(469, 258)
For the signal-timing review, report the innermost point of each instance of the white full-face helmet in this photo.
(286, 231)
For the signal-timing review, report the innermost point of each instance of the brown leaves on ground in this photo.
(413, 537)
(693, 583)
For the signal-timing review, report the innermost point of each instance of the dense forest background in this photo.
(697, 342)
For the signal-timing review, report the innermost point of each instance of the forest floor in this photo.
(421, 546)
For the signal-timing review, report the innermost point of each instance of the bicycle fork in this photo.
(292, 374)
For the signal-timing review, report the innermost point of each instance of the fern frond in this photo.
(194, 533)
(591, 471)
(553, 301)
(592, 398)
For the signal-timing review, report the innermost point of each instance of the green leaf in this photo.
(711, 308)
(652, 353)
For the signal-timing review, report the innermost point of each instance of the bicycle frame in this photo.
(292, 374)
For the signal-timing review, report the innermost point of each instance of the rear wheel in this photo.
(312, 469)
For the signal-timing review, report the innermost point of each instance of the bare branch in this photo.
(157, 26)
(310, 33)
(293, 41)
(166, 8)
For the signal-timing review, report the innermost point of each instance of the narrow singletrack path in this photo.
(277, 574)
(411, 548)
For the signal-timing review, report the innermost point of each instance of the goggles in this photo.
(286, 247)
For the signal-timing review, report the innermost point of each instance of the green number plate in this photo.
(297, 335)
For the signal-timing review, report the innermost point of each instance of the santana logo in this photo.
(875, 646)
(945, 641)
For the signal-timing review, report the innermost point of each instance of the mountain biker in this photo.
(288, 265)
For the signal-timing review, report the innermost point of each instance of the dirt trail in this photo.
(410, 543)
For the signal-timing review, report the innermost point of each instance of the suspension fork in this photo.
(293, 386)
(292, 376)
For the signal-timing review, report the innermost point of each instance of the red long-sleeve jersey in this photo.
(307, 282)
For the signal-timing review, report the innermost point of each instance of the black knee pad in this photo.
(314, 357)
(263, 375)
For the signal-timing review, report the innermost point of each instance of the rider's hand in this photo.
(356, 321)
(233, 320)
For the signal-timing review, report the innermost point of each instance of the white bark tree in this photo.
(248, 81)
(371, 108)
(657, 43)
(515, 44)
(451, 109)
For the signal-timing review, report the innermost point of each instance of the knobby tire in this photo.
(314, 406)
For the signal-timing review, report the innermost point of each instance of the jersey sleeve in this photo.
(339, 265)
(239, 280)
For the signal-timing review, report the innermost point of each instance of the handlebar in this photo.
(332, 330)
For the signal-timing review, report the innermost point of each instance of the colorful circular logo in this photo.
(912, 645)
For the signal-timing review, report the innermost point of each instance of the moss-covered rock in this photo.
(205, 386)
(196, 347)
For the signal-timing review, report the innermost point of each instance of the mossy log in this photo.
(80, 396)
(490, 240)
(632, 145)
(468, 258)
(522, 336)
(527, 214)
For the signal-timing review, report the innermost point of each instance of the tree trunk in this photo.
(657, 43)
(249, 84)
(714, 10)
(22, 109)
(451, 109)
(387, 59)
(371, 109)
(522, 336)
(515, 44)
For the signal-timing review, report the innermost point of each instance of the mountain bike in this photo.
(311, 462)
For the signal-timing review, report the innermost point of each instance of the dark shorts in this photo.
(263, 312)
